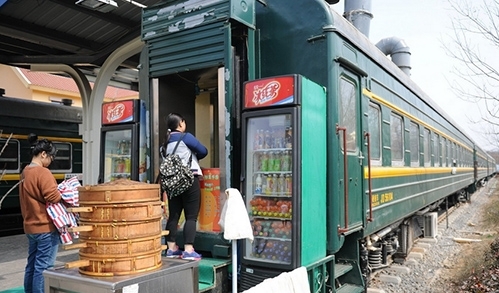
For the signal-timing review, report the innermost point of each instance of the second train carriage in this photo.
(18, 118)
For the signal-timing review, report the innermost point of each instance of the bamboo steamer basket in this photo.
(119, 228)
(105, 266)
(121, 191)
(127, 212)
(119, 248)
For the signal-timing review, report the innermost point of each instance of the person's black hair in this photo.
(40, 145)
(172, 122)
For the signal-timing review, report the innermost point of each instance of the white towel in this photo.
(234, 219)
(299, 280)
(295, 281)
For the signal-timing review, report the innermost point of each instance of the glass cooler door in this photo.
(117, 154)
(269, 188)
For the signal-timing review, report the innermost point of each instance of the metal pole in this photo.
(234, 266)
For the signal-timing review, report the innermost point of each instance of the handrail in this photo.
(369, 178)
(345, 175)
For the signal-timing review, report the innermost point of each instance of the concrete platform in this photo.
(13, 260)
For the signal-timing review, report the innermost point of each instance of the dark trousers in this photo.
(190, 203)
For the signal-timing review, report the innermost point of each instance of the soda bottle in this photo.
(268, 188)
(265, 162)
(289, 137)
(255, 140)
(274, 183)
(270, 166)
(258, 184)
(289, 184)
(277, 161)
(257, 163)
(267, 143)
(285, 161)
(260, 139)
(273, 139)
(281, 184)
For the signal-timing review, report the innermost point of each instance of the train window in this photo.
(9, 155)
(414, 144)
(444, 153)
(63, 159)
(397, 139)
(426, 146)
(374, 118)
(449, 153)
(436, 150)
(348, 112)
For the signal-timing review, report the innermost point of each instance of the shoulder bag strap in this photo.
(179, 140)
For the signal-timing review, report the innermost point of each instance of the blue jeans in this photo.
(41, 256)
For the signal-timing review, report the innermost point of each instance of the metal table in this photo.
(174, 276)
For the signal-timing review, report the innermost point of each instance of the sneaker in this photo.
(173, 253)
(192, 256)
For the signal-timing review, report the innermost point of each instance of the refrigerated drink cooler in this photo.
(284, 170)
(123, 141)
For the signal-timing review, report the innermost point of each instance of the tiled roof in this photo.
(67, 84)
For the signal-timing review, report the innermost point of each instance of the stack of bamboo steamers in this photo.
(120, 229)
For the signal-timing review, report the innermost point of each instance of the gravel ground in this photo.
(432, 271)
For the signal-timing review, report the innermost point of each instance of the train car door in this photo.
(350, 157)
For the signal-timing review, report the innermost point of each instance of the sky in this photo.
(426, 27)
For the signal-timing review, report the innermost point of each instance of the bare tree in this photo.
(475, 29)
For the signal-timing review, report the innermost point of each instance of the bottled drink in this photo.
(255, 140)
(267, 143)
(285, 166)
(277, 161)
(257, 162)
(265, 162)
(274, 183)
(270, 166)
(258, 184)
(289, 137)
(289, 184)
(268, 188)
(281, 184)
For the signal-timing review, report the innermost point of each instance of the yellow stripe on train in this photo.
(386, 172)
(51, 138)
(16, 177)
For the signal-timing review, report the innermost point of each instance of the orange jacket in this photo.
(37, 188)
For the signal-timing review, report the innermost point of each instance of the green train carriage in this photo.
(18, 118)
(419, 156)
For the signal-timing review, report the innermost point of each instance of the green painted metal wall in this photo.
(313, 164)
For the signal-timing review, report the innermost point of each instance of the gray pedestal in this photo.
(174, 276)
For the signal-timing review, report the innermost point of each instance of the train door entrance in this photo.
(351, 156)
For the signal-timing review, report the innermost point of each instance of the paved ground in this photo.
(13, 253)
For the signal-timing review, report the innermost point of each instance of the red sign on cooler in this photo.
(269, 91)
(117, 112)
